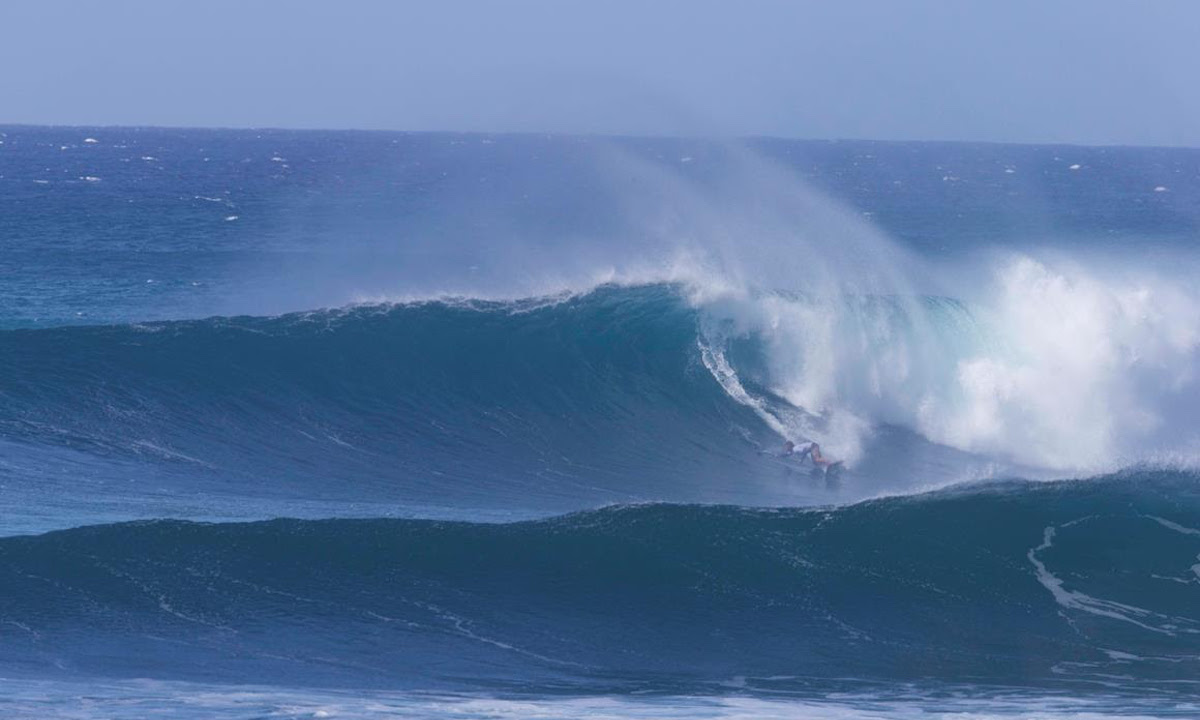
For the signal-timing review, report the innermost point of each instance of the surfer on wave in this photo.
(812, 452)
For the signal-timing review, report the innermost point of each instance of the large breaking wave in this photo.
(623, 393)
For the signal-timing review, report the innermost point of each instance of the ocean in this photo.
(363, 424)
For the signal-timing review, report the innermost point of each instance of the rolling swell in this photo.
(559, 405)
(1063, 585)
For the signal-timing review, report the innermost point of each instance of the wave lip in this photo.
(1054, 585)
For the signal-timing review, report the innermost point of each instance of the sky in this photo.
(1051, 71)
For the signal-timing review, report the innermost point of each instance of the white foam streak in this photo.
(714, 360)
(1077, 600)
(1170, 525)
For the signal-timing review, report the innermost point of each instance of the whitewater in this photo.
(336, 424)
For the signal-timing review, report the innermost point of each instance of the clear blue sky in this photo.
(1098, 71)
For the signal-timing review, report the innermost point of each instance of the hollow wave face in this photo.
(547, 406)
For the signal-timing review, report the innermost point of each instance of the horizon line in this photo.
(594, 135)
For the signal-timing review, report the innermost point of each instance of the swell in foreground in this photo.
(1073, 586)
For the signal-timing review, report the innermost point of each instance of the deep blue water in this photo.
(365, 423)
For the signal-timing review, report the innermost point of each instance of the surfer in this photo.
(812, 452)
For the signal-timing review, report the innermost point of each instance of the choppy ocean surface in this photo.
(336, 424)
